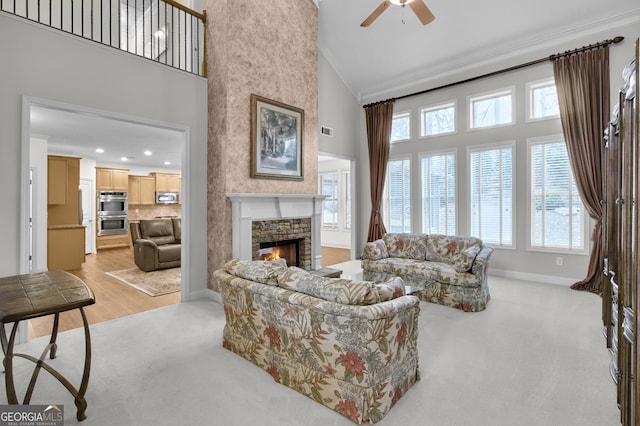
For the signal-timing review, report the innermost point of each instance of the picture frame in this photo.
(276, 139)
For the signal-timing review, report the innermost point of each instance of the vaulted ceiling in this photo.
(397, 50)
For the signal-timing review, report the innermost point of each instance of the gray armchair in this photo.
(156, 243)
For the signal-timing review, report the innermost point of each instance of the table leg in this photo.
(80, 401)
(12, 398)
(54, 336)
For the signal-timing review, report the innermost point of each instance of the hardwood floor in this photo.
(332, 255)
(114, 299)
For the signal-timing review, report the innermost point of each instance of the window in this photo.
(438, 120)
(396, 199)
(542, 100)
(438, 177)
(347, 200)
(329, 187)
(401, 127)
(491, 189)
(492, 109)
(556, 211)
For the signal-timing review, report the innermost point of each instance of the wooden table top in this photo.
(34, 295)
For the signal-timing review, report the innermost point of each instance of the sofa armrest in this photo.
(481, 263)
(145, 255)
(375, 250)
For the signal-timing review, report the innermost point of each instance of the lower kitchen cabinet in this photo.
(65, 247)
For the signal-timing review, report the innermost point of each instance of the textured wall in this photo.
(269, 49)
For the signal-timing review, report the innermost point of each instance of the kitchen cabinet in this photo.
(65, 247)
(112, 179)
(142, 190)
(63, 195)
(112, 241)
(167, 182)
(56, 180)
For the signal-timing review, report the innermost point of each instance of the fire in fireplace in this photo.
(288, 250)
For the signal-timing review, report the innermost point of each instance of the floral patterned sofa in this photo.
(451, 270)
(348, 345)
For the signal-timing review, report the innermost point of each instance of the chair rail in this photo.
(163, 31)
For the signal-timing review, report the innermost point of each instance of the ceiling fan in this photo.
(419, 8)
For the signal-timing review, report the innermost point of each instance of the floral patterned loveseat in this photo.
(451, 270)
(348, 345)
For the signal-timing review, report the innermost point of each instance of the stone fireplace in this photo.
(286, 238)
(262, 222)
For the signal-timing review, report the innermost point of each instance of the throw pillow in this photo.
(375, 250)
(262, 271)
(464, 262)
(391, 289)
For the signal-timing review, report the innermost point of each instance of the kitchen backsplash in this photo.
(151, 212)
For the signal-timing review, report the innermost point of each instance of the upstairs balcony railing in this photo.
(163, 31)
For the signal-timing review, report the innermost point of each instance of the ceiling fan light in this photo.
(400, 2)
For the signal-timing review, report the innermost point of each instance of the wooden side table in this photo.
(23, 297)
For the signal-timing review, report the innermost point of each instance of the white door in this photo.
(88, 214)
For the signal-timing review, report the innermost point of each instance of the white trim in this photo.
(496, 93)
(28, 102)
(537, 278)
(529, 99)
(207, 293)
(586, 249)
(397, 115)
(489, 147)
(436, 107)
(434, 153)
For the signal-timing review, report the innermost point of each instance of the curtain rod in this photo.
(550, 58)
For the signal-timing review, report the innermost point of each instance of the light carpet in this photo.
(535, 357)
(154, 283)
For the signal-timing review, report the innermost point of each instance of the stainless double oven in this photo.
(112, 213)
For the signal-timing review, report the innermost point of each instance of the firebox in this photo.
(288, 250)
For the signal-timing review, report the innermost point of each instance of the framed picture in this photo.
(276, 139)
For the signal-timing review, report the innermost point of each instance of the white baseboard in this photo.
(206, 294)
(339, 246)
(539, 278)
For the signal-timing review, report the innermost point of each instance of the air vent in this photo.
(327, 131)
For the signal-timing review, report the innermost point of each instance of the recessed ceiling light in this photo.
(167, 163)
(147, 152)
(99, 150)
(124, 158)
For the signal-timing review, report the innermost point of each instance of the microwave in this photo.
(167, 198)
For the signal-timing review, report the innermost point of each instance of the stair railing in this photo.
(163, 31)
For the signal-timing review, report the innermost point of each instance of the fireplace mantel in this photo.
(245, 208)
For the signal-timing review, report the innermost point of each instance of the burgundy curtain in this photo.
(379, 118)
(582, 81)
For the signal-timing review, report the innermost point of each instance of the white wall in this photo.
(339, 110)
(47, 64)
(517, 262)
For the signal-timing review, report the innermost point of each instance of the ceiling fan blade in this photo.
(376, 13)
(422, 11)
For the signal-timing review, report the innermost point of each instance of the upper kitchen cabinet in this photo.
(112, 179)
(63, 180)
(56, 180)
(142, 190)
(167, 182)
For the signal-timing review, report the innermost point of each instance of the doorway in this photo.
(53, 137)
(336, 182)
